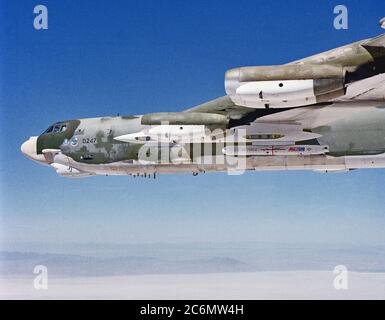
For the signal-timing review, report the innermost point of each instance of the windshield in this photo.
(58, 127)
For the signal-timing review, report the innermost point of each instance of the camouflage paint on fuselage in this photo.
(92, 140)
(361, 133)
(95, 140)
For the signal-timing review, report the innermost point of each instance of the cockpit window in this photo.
(49, 129)
(56, 128)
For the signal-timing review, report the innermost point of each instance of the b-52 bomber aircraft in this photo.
(324, 113)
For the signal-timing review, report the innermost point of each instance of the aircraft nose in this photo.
(28, 148)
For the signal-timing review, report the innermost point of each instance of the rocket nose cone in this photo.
(28, 148)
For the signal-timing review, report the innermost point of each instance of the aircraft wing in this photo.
(219, 105)
(372, 89)
(285, 131)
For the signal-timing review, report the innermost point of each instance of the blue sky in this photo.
(133, 57)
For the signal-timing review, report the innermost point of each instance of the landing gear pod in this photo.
(66, 171)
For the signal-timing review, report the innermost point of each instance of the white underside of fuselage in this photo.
(320, 163)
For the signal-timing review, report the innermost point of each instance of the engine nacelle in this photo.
(284, 86)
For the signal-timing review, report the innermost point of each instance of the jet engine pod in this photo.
(184, 118)
(284, 86)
